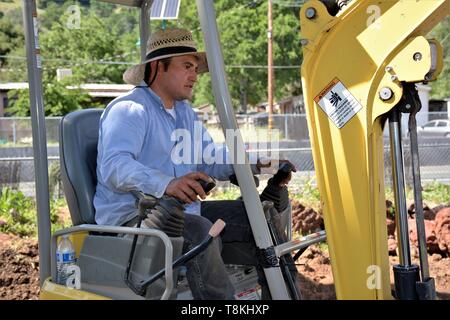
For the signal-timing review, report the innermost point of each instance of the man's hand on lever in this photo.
(188, 187)
(283, 171)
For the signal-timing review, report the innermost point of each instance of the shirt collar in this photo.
(157, 98)
(152, 93)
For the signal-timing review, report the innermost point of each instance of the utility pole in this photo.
(270, 77)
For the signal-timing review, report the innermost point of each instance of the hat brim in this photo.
(135, 74)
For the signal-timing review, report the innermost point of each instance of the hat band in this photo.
(169, 50)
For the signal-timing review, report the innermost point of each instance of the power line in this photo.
(70, 61)
(261, 67)
(290, 4)
(131, 63)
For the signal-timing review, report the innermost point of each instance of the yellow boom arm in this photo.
(352, 73)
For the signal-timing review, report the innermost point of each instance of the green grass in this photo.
(433, 193)
(231, 193)
(11, 144)
(323, 246)
(437, 193)
(307, 194)
(6, 5)
(18, 214)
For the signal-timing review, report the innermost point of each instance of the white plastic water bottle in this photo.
(65, 258)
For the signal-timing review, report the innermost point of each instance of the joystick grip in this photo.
(207, 185)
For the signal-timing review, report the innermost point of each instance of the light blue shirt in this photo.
(139, 149)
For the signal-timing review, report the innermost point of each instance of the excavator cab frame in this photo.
(354, 73)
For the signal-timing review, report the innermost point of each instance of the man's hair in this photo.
(165, 62)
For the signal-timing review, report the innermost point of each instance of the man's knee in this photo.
(196, 228)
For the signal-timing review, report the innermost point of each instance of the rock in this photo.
(429, 214)
(439, 207)
(306, 221)
(431, 239)
(412, 209)
(297, 206)
(442, 230)
(436, 257)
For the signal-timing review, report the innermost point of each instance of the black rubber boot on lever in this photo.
(166, 214)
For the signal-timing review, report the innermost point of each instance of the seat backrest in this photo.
(78, 158)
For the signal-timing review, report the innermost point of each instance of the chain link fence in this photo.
(290, 131)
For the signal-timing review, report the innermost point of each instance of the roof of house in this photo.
(93, 89)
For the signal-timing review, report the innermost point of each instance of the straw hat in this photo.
(164, 44)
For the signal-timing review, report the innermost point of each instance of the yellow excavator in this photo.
(361, 61)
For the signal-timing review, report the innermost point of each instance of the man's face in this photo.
(180, 77)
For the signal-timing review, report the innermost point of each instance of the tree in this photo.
(58, 99)
(243, 34)
(11, 33)
(87, 50)
(90, 51)
(109, 33)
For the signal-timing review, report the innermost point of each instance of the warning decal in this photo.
(338, 103)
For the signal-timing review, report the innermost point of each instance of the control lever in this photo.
(215, 230)
(276, 193)
(283, 173)
(233, 180)
(207, 185)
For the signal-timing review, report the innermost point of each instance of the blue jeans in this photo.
(206, 273)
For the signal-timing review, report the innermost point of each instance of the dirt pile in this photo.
(315, 268)
(316, 278)
(19, 271)
(305, 220)
(19, 268)
(19, 263)
(437, 230)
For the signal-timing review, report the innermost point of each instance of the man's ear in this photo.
(153, 64)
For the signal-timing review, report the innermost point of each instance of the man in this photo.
(135, 151)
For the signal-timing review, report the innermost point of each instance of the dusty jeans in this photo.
(206, 273)
(237, 238)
